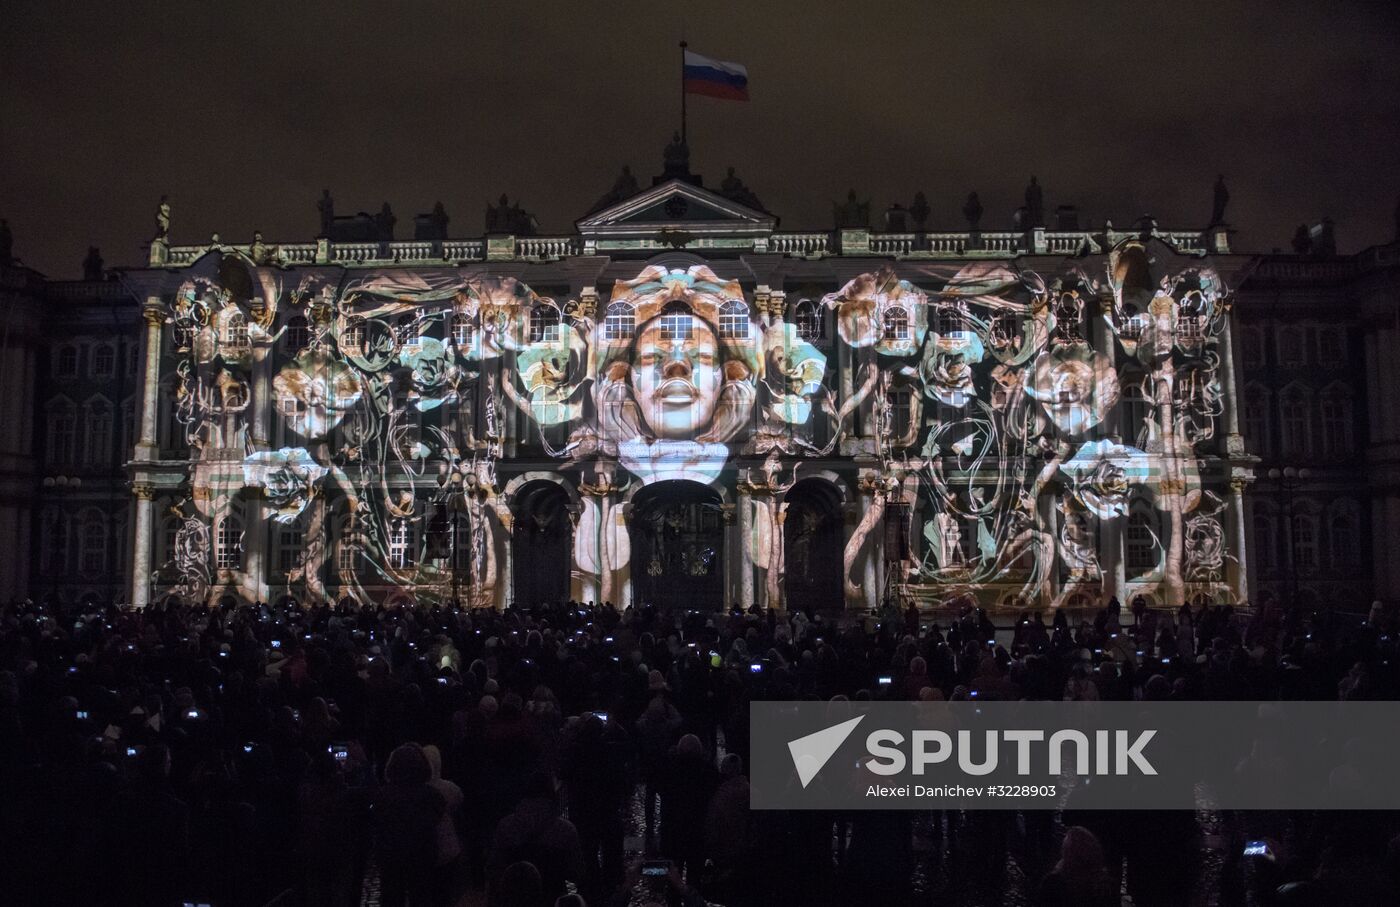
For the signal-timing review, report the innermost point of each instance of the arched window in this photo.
(1256, 419)
(104, 360)
(619, 321)
(1139, 544)
(1004, 332)
(542, 318)
(949, 319)
(1304, 542)
(297, 336)
(92, 547)
(236, 331)
(1342, 537)
(228, 544)
(63, 433)
(734, 319)
(1336, 423)
(811, 326)
(1294, 417)
(98, 447)
(896, 323)
(352, 339)
(402, 544)
(677, 325)
(1265, 549)
(66, 364)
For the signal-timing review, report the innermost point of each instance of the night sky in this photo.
(243, 113)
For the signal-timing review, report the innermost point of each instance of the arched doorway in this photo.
(677, 532)
(812, 545)
(540, 544)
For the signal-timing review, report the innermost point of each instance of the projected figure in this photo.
(676, 375)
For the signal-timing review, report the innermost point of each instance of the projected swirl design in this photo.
(1002, 412)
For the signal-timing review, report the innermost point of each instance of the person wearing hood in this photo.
(407, 814)
(449, 843)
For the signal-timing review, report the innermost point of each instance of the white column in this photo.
(505, 577)
(153, 313)
(141, 545)
(255, 539)
(1234, 444)
(745, 549)
(1237, 571)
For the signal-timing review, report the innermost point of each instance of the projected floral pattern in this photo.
(988, 400)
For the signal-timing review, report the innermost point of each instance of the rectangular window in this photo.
(1290, 345)
(67, 364)
(63, 429)
(289, 546)
(1331, 346)
(104, 361)
(402, 551)
(99, 439)
(229, 548)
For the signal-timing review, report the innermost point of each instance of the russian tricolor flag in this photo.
(715, 78)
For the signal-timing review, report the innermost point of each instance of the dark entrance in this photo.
(812, 545)
(677, 531)
(540, 545)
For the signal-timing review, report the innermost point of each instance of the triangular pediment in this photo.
(676, 206)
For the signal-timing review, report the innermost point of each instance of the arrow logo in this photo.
(810, 753)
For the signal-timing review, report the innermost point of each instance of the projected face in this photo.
(676, 375)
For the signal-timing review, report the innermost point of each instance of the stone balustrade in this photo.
(946, 244)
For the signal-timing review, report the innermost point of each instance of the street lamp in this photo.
(1289, 480)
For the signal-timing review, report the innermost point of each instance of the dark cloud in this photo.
(242, 113)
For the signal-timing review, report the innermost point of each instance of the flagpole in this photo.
(683, 47)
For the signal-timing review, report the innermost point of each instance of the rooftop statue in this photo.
(384, 223)
(675, 159)
(734, 189)
(623, 188)
(507, 218)
(163, 220)
(326, 205)
(92, 265)
(1222, 198)
(919, 211)
(972, 210)
(851, 213)
(1035, 205)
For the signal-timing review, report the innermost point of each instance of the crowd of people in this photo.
(331, 756)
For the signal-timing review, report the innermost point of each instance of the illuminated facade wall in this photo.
(745, 421)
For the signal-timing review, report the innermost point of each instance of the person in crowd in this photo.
(330, 749)
(535, 833)
(1080, 878)
(408, 812)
